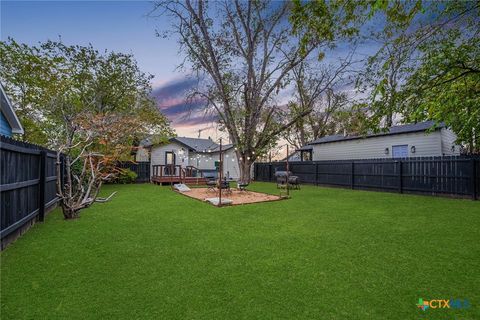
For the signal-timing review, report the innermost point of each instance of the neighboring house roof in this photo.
(295, 156)
(147, 142)
(407, 128)
(9, 113)
(305, 148)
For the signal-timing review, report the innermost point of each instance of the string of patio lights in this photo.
(205, 155)
(207, 151)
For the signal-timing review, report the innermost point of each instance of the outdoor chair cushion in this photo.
(181, 187)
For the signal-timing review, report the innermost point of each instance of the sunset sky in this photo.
(122, 26)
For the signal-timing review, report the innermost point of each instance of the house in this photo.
(9, 122)
(295, 156)
(199, 155)
(411, 140)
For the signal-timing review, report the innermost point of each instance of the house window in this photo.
(306, 155)
(169, 157)
(169, 163)
(400, 151)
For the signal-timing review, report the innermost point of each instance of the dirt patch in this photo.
(238, 197)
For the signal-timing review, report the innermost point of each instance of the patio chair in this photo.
(212, 185)
(294, 182)
(242, 186)
(225, 185)
(282, 178)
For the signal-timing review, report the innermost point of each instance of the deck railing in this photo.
(193, 172)
(168, 170)
(165, 173)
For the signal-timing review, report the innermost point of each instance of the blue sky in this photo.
(114, 25)
(121, 26)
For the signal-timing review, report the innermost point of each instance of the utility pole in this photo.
(203, 129)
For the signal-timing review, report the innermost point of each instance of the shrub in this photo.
(126, 176)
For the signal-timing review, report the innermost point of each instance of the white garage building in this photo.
(411, 140)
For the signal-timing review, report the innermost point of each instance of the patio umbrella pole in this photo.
(288, 175)
(172, 169)
(220, 175)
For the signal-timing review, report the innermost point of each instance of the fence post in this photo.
(400, 174)
(270, 172)
(352, 181)
(316, 174)
(41, 186)
(473, 179)
(62, 172)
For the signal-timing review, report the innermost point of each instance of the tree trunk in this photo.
(389, 120)
(69, 213)
(245, 166)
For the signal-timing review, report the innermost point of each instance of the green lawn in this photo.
(326, 254)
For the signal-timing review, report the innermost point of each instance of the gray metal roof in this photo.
(196, 143)
(147, 142)
(224, 147)
(201, 145)
(406, 128)
(305, 148)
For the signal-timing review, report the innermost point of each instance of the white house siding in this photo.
(157, 155)
(426, 144)
(448, 140)
(142, 154)
(206, 161)
(230, 165)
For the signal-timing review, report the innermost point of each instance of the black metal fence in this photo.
(27, 186)
(451, 176)
(142, 169)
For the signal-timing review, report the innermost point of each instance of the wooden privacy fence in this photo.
(27, 185)
(452, 176)
(142, 169)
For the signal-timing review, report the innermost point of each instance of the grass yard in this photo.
(326, 254)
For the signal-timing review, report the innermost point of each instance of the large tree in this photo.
(378, 79)
(108, 82)
(316, 90)
(427, 66)
(445, 86)
(429, 69)
(383, 76)
(23, 73)
(247, 51)
(88, 105)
